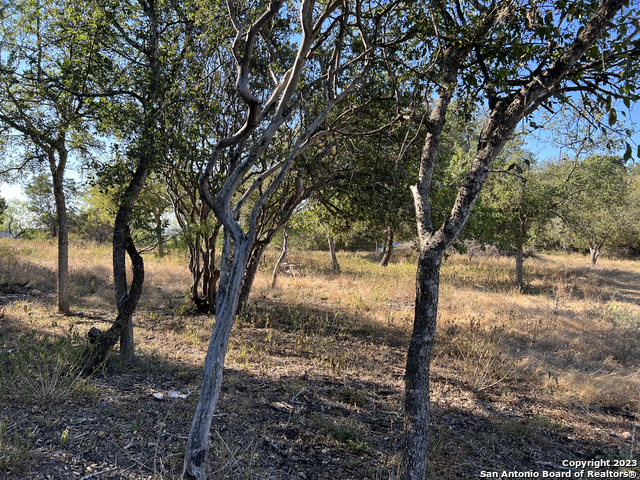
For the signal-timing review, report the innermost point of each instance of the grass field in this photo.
(314, 375)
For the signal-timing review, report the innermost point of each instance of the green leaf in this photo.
(613, 117)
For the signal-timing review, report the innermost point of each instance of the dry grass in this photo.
(314, 368)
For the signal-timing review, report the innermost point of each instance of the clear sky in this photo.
(11, 191)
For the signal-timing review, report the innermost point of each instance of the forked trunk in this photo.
(387, 249)
(197, 446)
(335, 266)
(505, 115)
(595, 253)
(204, 274)
(57, 174)
(417, 402)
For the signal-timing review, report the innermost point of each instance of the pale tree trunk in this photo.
(388, 249)
(595, 253)
(269, 119)
(57, 174)
(335, 266)
(505, 115)
(198, 443)
(281, 258)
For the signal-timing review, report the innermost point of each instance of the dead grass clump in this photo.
(481, 352)
(610, 390)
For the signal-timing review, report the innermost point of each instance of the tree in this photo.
(146, 52)
(309, 72)
(519, 197)
(153, 202)
(96, 215)
(3, 209)
(50, 50)
(515, 57)
(599, 211)
(17, 218)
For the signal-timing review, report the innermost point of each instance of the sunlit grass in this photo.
(574, 332)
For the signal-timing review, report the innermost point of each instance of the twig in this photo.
(96, 474)
(294, 399)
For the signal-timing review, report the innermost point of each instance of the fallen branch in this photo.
(97, 474)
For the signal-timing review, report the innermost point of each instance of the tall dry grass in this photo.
(573, 335)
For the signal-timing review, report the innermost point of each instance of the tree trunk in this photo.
(250, 274)
(126, 298)
(57, 174)
(208, 274)
(417, 403)
(387, 249)
(202, 265)
(595, 253)
(519, 261)
(158, 232)
(198, 443)
(283, 255)
(123, 321)
(127, 350)
(335, 266)
(211, 274)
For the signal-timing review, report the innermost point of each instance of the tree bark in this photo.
(387, 249)
(519, 261)
(210, 274)
(57, 174)
(250, 274)
(158, 232)
(417, 401)
(335, 266)
(126, 298)
(198, 443)
(125, 310)
(281, 258)
(595, 253)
